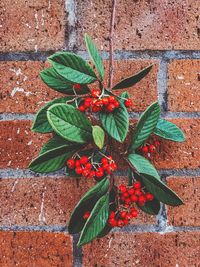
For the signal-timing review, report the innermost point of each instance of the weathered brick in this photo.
(46, 201)
(188, 189)
(144, 92)
(183, 85)
(144, 249)
(18, 144)
(32, 26)
(35, 249)
(140, 25)
(22, 90)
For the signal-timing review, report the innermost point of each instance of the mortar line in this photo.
(77, 252)
(10, 173)
(45, 228)
(71, 42)
(70, 29)
(162, 85)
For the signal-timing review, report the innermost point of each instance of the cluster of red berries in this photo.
(83, 166)
(96, 104)
(150, 148)
(133, 194)
(122, 218)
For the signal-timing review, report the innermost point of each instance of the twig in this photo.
(112, 24)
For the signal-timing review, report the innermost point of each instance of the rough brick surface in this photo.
(183, 85)
(26, 249)
(141, 24)
(188, 189)
(31, 26)
(144, 249)
(22, 90)
(45, 201)
(18, 144)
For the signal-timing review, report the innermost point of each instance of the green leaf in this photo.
(169, 130)
(151, 207)
(160, 191)
(116, 123)
(96, 222)
(53, 156)
(98, 136)
(142, 165)
(69, 123)
(72, 68)
(41, 124)
(87, 203)
(145, 125)
(95, 56)
(132, 80)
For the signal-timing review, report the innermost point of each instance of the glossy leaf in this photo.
(151, 207)
(69, 123)
(98, 136)
(116, 123)
(96, 222)
(41, 124)
(145, 125)
(87, 203)
(53, 156)
(142, 165)
(95, 56)
(169, 130)
(132, 80)
(161, 191)
(73, 68)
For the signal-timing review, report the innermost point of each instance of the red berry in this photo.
(88, 166)
(149, 196)
(138, 192)
(110, 157)
(122, 188)
(123, 214)
(129, 216)
(110, 107)
(125, 221)
(71, 163)
(96, 109)
(105, 101)
(77, 163)
(131, 191)
(77, 86)
(81, 108)
(152, 149)
(120, 223)
(78, 170)
(85, 172)
(111, 99)
(87, 102)
(105, 166)
(104, 160)
(126, 194)
(83, 160)
(142, 199)
(134, 213)
(127, 200)
(137, 185)
(99, 103)
(116, 104)
(112, 214)
(113, 166)
(91, 174)
(95, 93)
(134, 198)
(128, 102)
(157, 143)
(86, 215)
(99, 173)
(145, 149)
(109, 169)
(112, 222)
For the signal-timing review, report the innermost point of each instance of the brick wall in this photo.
(35, 208)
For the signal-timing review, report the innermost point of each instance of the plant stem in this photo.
(112, 24)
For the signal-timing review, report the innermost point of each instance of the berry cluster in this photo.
(133, 194)
(148, 149)
(85, 167)
(121, 218)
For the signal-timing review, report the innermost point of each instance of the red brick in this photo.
(42, 249)
(50, 201)
(144, 92)
(183, 85)
(140, 25)
(22, 90)
(188, 189)
(31, 26)
(18, 144)
(181, 155)
(144, 249)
